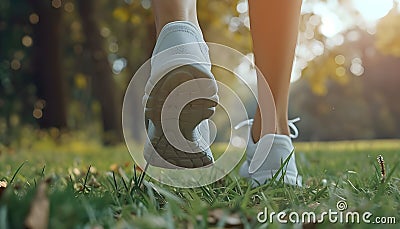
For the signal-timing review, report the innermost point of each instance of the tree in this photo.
(47, 65)
(103, 83)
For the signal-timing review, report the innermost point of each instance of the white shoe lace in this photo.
(293, 127)
(291, 123)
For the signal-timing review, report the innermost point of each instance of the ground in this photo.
(75, 182)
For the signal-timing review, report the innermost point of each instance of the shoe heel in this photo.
(192, 114)
(195, 111)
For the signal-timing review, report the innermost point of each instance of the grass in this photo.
(90, 186)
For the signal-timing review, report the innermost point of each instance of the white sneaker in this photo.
(265, 158)
(180, 55)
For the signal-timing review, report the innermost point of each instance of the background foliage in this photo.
(64, 65)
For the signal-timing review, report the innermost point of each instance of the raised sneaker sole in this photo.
(164, 154)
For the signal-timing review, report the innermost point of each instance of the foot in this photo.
(272, 155)
(178, 133)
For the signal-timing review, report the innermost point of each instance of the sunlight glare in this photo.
(372, 10)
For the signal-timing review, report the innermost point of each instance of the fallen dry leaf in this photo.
(211, 220)
(97, 227)
(93, 170)
(314, 205)
(217, 213)
(231, 220)
(127, 164)
(78, 187)
(76, 171)
(3, 186)
(93, 182)
(38, 216)
(114, 167)
(309, 226)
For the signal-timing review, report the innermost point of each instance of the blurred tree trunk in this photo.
(102, 81)
(47, 65)
(132, 66)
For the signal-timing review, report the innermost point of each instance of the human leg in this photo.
(274, 28)
(180, 138)
(174, 10)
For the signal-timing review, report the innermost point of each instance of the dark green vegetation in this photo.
(66, 64)
(93, 187)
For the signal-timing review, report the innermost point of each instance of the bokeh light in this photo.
(69, 7)
(40, 104)
(372, 10)
(113, 47)
(37, 113)
(356, 67)
(340, 71)
(146, 4)
(15, 64)
(34, 18)
(27, 41)
(119, 65)
(340, 59)
(242, 7)
(56, 3)
(105, 32)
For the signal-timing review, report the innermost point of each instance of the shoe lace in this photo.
(291, 123)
